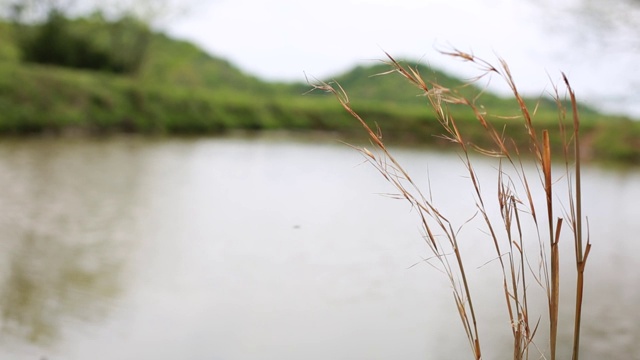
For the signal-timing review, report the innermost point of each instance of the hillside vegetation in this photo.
(180, 89)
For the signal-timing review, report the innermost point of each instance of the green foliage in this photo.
(8, 50)
(85, 43)
(372, 83)
(180, 89)
(617, 140)
(182, 64)
(38, 99)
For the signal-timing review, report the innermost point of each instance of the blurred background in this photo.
(592, 41)
(169, 187)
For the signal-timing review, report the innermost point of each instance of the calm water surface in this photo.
(238, 249)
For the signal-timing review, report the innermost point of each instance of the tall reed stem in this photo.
(443, 240)
(581, 253)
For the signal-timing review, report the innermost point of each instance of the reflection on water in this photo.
(47, 279)
(256, 248)
(64, 216)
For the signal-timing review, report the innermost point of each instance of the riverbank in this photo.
(48, 100)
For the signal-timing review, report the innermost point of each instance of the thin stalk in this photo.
(476, 341)
(515, 284)
(554, 296)
(581, 253)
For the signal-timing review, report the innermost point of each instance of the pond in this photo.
(266, 248)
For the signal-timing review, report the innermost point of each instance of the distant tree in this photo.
(150, 12)
(112, 35)
(58, 42)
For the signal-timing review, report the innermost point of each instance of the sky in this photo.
(286, 40)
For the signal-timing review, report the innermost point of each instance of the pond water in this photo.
(265, 248)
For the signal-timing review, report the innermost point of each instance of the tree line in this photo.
(62, 33)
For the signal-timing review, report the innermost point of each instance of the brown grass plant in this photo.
(507, 234)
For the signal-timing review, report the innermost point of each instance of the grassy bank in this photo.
(180, 89)
(39, 99)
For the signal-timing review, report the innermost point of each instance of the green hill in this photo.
(166, 61)
(180, 89)
(374, 84)
(180, 63)
(175, 63)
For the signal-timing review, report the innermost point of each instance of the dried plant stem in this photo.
(443, 240)
(581, 253)
(554, 294)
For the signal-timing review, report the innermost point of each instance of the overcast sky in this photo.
(284, 39)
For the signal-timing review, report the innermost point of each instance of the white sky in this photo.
(284, 39)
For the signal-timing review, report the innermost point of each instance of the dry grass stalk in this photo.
(514, 263)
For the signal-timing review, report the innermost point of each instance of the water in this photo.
(262, 248)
